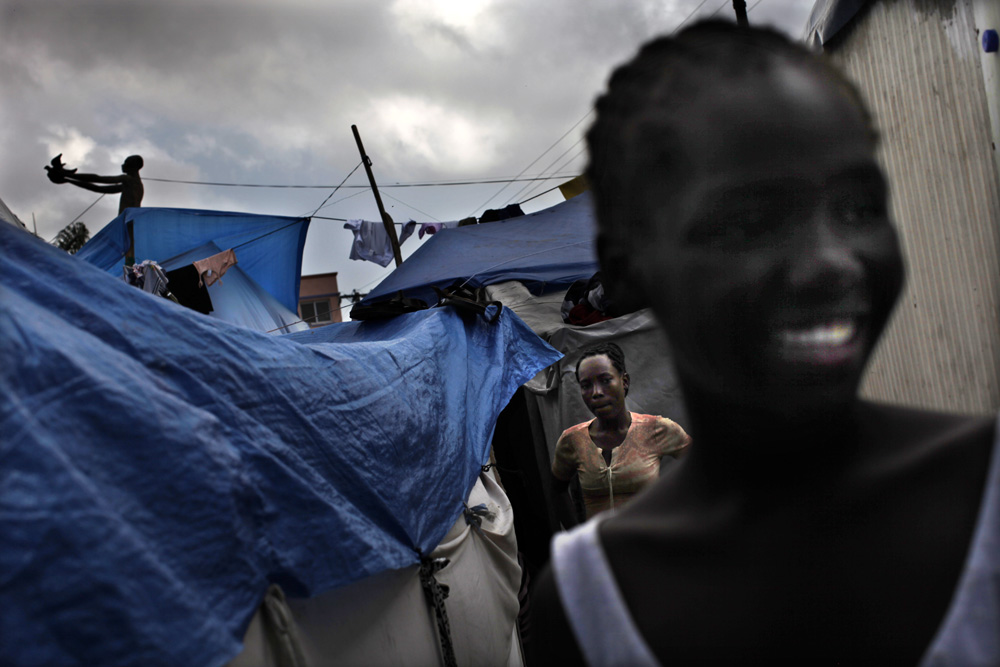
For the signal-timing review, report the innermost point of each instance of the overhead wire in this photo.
(689, 16)
(338, 187)
(333, 203)
(411, 206)
(85, 210)
(554, 144)
(522, 190)
(561, 155)
(724, 3)
(422, 184)
(555, 187)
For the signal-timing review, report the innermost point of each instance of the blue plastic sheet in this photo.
(159, 467)
(268, 247)
(544, 250)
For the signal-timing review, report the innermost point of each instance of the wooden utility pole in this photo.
(740, 7)
(390, 228)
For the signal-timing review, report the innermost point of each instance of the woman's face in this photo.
(777, 270)
(602, 387)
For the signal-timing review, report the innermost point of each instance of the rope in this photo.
(436, 594)
(336, 188)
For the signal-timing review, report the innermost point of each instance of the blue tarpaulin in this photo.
(268, 247)
(548, 249)
(159, 467)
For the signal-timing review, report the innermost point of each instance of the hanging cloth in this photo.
(371, 241)
(434, 227)
(213, 268)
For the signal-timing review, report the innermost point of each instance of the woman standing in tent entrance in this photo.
(618, 452)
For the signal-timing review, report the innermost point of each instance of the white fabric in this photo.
(386, 620)
(586, 583)
(371, 241)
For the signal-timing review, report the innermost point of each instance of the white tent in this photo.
(8, 216)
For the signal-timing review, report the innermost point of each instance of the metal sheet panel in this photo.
(917, 65)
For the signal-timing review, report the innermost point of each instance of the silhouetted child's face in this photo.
(776, 269)
(132, 165)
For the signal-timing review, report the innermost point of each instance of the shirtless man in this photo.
(128, 183)
(738, 195)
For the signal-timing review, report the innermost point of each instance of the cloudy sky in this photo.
(248, 92)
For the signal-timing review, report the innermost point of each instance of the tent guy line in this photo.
(316, 210)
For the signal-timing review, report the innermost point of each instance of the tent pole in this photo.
(390, 228)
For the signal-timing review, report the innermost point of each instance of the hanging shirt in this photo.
(371, 241)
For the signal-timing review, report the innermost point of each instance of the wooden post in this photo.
(740, 6)
(390, 228)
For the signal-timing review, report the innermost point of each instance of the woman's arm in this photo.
(673, 440)
(565, 508)
(564, 466)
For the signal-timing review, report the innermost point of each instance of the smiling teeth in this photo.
(834, 334)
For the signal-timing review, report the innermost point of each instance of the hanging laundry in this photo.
(434, 227)
(213, 268)
(585, 302)
(155, 279)
(371, 241)
(505, 213)
(149, 277)
(408, 230)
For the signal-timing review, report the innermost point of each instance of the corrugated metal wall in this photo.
(916, 63)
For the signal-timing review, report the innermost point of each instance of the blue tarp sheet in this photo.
(238, 299)
(159, 467)
(268, 247)
(551, 248)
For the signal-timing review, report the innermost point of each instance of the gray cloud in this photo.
(260, 92)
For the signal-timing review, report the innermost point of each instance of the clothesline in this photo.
(427, 184)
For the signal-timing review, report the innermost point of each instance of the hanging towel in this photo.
(213, 268)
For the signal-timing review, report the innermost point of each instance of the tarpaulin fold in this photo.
(158, 468)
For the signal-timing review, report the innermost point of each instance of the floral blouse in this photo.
(634, 463)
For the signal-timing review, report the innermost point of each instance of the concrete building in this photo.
(319, 299)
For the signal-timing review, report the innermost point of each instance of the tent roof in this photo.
(206, 460)
(550, 248)
(268, 247)
(6, 215)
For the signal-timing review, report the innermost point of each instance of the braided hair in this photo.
(614, 353)
(635, 139)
